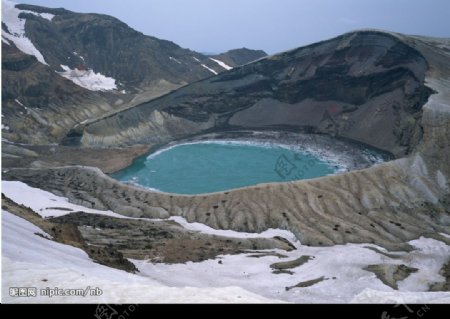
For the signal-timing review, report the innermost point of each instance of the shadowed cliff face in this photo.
(364, 86)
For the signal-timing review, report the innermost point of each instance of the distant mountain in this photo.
(239, 57)
(56, 61)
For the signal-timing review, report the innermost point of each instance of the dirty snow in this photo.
(89, 79)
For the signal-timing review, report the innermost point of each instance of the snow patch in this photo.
(44, 203)
(237, 278)
(5, 41)
(47, 16)
(76, 53)
(222, 64)
(18, 102)
(209, 69)
(419, 166)
(196, 59)
(16, 30)
(270, 233)
(429, 258)
(442, 181)
(175, 60)
(445, 235)
(88, 79)
(341, 267)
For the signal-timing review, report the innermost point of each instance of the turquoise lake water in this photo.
(217, 166)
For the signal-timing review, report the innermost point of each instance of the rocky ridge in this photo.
(238, 57)
(365, 86)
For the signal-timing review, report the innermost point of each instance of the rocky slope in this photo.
(385, 90)
(388, 204)
(238, 57)
(110, 241)
(365, 86)
(60, 68)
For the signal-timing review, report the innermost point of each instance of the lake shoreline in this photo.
(340, 155)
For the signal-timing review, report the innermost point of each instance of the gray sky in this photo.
(271, 25)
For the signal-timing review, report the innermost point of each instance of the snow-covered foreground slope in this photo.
(44, 203)
(341, 266)
(28, 260)
(32, 261)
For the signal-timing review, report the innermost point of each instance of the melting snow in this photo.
(222, 64)
(47, 16)
(270, 233)
(237, 278)
(89, 79)
(341, 266)
(44, 203)
(209, 69)
(196, 59)
(16, 30)
(32, 261)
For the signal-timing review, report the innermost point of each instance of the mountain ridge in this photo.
(94, 64)
(260, 94)
(238, 57)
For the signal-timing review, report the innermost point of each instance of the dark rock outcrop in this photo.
(160, 241)
(390, 274)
